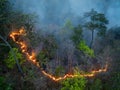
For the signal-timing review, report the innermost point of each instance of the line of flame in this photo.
(32, 58)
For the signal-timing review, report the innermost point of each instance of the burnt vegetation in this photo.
(60, 49)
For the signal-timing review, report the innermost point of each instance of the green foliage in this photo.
(19, 19)
(59, 70)
(42, 58)
(30, 74)
(97, 21)
(77, 35)
(74, 84)
(77, 71)
(68, 25)
(113, 83)
(41, 55)
(66, 30)
(96, 85)
(3, 4)
(4, 85)
(4, 13)
(85, 49)
(14, 19)
(10, 61)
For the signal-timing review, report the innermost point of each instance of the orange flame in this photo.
(91, 74)
(32, 58)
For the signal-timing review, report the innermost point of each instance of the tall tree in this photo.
(96, 21)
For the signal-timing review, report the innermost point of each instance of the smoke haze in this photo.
(57, 11)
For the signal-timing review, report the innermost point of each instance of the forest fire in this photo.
(91, 74)
(32, 57)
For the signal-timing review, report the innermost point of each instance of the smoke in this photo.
(111, 8)
(57, 11)
(53, 14)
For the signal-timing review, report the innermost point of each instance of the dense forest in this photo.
(56, 49)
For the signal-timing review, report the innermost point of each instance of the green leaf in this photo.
(10, 61)
(74, 84)
(85, 49)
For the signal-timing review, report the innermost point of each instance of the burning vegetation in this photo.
(50, 45)
(31, 56)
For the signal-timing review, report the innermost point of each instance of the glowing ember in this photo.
(32, 57)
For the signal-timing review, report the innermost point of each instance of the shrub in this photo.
(10, 61)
